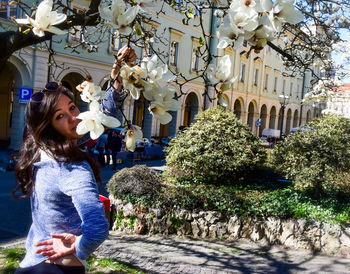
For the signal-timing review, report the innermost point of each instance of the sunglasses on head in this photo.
(49, 87)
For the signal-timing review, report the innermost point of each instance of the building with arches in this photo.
(261, 79)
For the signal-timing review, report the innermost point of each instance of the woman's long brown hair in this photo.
(42, 136)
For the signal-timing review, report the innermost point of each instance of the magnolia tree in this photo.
(304, 32)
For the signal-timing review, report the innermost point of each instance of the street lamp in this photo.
(284, 100)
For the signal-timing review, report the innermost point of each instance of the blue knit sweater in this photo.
(65, 200)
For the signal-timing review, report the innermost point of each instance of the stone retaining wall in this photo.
(293, 233)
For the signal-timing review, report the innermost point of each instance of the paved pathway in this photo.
(158, 254)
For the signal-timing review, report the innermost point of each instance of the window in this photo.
(298, 90)
(291, 90)
(242, 72)
(174, 48)
(245, 43)
(148, 49)
(7, 11)
(284, 86)
(275, 85)
(76, 33)
(266, 80)
(195, 59)
(116, 43)
(256, 75)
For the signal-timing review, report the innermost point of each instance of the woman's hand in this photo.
(126, 55)
(60, 245)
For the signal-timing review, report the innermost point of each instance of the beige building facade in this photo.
(255, 94)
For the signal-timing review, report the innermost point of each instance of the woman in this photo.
(68, 218)
(60, 179)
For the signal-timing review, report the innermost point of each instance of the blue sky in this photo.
(345, 36)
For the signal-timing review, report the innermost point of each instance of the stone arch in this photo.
(295, 118)
(70, 81)
(191, 108)
(272, 120)
(251, 114)
(12, 116)
(227, 100)
(263, 116)
(308, 116)
(238, 107)
(288, 121)
(279, 120)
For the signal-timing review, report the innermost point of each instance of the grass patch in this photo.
(11, 257)
(96, 266)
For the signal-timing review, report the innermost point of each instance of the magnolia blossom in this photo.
(133, 134)
(153, 73)
(91, 92)
(256, 21)
(132, 80)
(93, 121)
(118, 16)
(45, 19)
(161, 101)
(223, 73)
(323, 90)
(284, 12)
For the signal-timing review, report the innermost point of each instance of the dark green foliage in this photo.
(254, 200)
(137, 184)
(317, 158)
(216, 148)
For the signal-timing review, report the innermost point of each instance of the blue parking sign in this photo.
(24, 95)
(258, 122)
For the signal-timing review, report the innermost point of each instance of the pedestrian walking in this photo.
(114, 143)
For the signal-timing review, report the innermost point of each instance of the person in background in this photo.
(114, 144)
(101, 148)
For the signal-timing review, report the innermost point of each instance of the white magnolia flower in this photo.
(154, 73)
(223, 73)
(245, 6)
(244, 22)
(133, 134)
(161, 101)
(284, 12)
(93, 121)
(230, 35)
(262, 34)
(45, 19)
(132, 80)
(91, 92)
(118, 16)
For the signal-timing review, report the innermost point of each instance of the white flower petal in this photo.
(82, 128)
(97, 131)
(165, 118)
(110, 121)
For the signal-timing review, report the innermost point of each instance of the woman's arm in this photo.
(126, 55)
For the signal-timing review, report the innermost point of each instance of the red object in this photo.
(106, 202)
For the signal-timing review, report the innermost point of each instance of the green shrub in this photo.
(137, 184)
(317, 158)
(216, 148)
